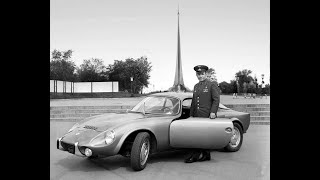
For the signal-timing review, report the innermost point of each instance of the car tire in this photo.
(236, 139)
(140, 151)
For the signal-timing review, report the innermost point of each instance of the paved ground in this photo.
(251, 162)
(224, 99)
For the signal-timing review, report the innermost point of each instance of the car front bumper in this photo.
(79, 149)
(71, 148)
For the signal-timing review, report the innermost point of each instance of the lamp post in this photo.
(131, 79)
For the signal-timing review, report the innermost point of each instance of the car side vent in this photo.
(90, 127)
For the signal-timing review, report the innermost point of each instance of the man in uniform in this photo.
(205, 103)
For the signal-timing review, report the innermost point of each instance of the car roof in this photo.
(180, 95)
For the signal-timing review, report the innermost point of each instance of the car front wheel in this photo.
(140, 151)
(236, 139)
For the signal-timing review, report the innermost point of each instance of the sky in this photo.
(226, 35)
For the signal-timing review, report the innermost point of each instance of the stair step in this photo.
(86, 111)
(71, 115)
(88, 107)
(83, 115)
(67, 119)
(250, 109)
(246, 105)
(260, 123)
(255, 115)
(259, 113)
(259, 118)
(242, 108)
(231, 106)
(253, 118)
(79, 119)
(81, 108)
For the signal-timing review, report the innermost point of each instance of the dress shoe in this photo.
(206, 156)
(193, 157)
(190, 160)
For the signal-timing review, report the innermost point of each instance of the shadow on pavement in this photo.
(75, 163)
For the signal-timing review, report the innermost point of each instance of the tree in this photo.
(267, 88)
(92, 70)
(61, 67)
(244, 78)
(122, 71)
(226, 88)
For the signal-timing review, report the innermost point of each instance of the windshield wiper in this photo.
(141, 112)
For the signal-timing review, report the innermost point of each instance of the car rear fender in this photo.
(236, 120)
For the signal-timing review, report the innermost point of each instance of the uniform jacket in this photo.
(206, 99)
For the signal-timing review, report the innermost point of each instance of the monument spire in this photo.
(178, 84)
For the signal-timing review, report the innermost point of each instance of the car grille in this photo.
(90, 127)
(68, 147)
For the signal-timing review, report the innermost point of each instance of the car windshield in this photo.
(158, 105)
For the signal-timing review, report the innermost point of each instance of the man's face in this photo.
(201, 75)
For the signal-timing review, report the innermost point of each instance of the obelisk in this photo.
(178, 85)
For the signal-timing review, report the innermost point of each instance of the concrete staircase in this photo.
(77, 113)
(260, 113)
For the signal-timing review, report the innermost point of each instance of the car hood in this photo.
(93, 126)
(106, 121)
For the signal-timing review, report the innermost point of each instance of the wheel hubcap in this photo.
(144, 152)
(236, 137)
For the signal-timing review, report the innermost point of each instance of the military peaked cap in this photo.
(200, 68)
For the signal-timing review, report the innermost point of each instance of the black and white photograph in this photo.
(147, 89)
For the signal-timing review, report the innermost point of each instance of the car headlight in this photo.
(73, 127)
(105, 138)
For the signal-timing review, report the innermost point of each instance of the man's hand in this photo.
(213, 115)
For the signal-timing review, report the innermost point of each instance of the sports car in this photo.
(160, 122)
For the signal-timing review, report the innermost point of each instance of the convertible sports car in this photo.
(159, 122)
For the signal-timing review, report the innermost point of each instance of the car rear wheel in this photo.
(236, 139)
(140, 151)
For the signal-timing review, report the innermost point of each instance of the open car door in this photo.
(197, 132)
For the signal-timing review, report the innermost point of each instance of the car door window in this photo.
(154, 105)
(172, 105)
(187, 103)
(158, 105)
